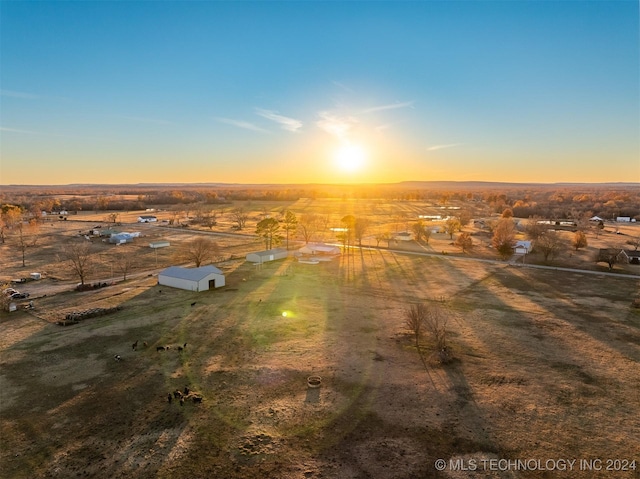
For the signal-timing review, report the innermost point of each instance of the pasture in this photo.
(546, 367)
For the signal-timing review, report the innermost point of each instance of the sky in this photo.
(319, 92)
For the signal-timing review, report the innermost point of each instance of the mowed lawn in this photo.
(546, 367)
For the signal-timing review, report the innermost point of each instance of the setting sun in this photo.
(350, 157)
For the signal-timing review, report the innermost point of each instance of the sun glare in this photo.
(350, 157)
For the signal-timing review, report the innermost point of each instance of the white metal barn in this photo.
(268, 255)
(192, 279)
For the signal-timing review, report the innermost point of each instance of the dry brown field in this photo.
(546, 366)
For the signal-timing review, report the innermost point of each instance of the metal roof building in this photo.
(192, 279)
(268, 255)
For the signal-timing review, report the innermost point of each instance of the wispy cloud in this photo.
(442, 147)
(391, 106)
(16, 130)
(342, 86)
(18, 94)
(286, 123)
(334, 125)
(240, 124)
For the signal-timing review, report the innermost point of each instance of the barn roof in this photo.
(191, 274)
(269, 252)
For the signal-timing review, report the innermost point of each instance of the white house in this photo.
(192, 279)
(522, 247)
(320, 249)
(267, 255)
(147, 219)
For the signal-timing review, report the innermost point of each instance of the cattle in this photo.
(134, 346)
(160, 348)
(169, 397)
(177, 394)
(193, 304)
(117, 357)
(197, 399)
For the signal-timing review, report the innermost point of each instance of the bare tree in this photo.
(431, 319)
(579, 240)
(79, 258)
(464, 241)
(126, 262)
(464, 216)
(635, 242)
(360, 227)
(418, 230)
(199, 251)
(504, 234)
(451, 226)
(435, 322)
(26, 235)
(308, 226)
(112, 218)
(549, 244)
(414, 318)
(534, 228)
(239, 216)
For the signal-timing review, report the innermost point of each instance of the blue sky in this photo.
(272, 92)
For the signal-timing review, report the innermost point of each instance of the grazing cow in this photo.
(181, 402)
(117, 357)
(177, 394)
(134, 346)
(186, 390)
(160, 348)
(169, 398)
(197, 399)
(193, 304)
(180, 348)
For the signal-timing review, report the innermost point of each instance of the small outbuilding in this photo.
(268, 255)
(147, 219)
(192, 279)
(522, 247)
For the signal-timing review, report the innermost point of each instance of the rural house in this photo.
(192, 279)
(319, 249)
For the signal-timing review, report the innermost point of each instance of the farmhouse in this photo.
(192, 279)
(319, 249)
(147, 219)
(267, 255)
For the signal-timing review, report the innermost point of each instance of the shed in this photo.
(159, 244)
(192, 279)
(268, 255)
(522, 247)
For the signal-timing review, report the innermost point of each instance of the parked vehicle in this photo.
(19, 295)
(9, 291)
